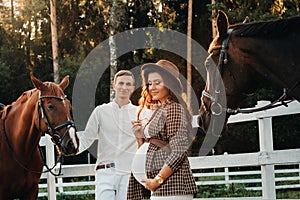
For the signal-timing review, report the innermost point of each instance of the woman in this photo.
(168, 131)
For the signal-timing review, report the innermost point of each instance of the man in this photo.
(110, 124)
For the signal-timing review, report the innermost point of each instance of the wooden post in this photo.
(266, 146)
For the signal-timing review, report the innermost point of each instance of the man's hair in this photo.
(123, 73)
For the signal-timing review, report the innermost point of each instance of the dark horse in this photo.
(44, 109)
(241, 53)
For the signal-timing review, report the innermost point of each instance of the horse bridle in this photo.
(56, 139)
(216, 108)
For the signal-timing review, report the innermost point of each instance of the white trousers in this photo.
(181, 197)
(111, 186)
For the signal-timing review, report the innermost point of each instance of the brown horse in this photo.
(44, 109)
(239, 55)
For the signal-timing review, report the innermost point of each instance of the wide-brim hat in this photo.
(166, 66)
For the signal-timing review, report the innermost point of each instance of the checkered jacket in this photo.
(168, 124)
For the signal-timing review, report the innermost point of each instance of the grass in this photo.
(238, 190)
(234, 190)
(213, 191)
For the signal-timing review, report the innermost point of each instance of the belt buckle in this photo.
(105, 166)
(110, 165)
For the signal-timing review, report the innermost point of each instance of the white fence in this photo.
(267, 158)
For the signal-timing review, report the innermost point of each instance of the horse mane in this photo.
(275, 28)
(4, 112)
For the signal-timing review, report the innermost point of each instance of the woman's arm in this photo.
(177, 133)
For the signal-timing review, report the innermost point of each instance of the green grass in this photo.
(71, 197)
(214, 191)
(238, 190)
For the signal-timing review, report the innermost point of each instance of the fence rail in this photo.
(225, 178)
(266, 158)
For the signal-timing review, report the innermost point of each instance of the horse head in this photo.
(240, 52)
(55, 115)
(238, 62)
(221, 91)
(213, 96)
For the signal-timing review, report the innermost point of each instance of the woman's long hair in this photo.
(172, 83)
(175, 92)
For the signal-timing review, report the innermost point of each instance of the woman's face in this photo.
(157, 87)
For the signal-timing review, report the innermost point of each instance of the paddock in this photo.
(267, 158)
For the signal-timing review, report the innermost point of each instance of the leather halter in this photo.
(216, 108)
(56, 139)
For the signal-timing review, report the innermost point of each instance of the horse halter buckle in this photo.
(215, 107)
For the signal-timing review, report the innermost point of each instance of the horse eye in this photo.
(50, 107)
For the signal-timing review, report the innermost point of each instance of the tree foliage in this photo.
(25, 43)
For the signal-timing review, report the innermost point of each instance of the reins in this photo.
(278, 102)
(41, 153)
(56, 139)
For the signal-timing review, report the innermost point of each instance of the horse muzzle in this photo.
(203, 119)
(70, 143)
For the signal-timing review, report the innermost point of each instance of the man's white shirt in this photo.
(111, 126)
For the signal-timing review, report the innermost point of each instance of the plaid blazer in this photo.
(170, 124)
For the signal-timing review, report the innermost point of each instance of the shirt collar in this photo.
(126, 106)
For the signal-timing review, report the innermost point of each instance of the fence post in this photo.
(50, 160)
(266, 146)
(60, 185)
(226, 171)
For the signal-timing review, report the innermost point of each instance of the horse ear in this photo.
(37, 83)
(246, 20)
(222, 24)
(64, 83)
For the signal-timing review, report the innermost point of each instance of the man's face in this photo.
(124, 86)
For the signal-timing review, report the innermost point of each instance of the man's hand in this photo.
(60, 153)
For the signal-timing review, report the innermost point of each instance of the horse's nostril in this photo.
(70, 145)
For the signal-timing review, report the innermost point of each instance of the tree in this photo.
(54, 39)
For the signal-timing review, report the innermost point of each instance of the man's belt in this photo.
(104, 166)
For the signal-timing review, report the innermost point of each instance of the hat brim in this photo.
(147, 65)
(156, 66)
